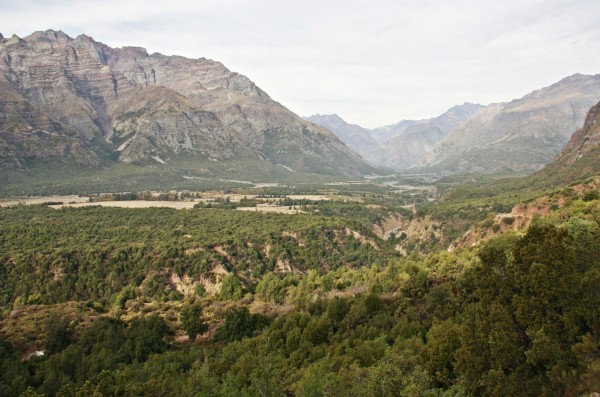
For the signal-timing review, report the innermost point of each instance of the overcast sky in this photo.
(372, 62)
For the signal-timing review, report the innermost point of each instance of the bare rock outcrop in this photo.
(124, 103)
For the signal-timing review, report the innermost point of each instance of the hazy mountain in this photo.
(79, 100)
(581, 157)
(401, 145)
(387, 132)
(356, 137)
(412, 146)
(521, 135)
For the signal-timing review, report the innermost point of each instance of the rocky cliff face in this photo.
(519, 136)
(415, 143)
(95, 102)
(580, 158)
(585, 140)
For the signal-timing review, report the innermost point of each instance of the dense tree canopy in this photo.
(304, 307)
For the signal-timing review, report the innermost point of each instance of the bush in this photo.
(591, 195)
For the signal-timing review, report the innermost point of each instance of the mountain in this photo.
(521, 135)
(356, 137)
(75, 100)
(387, 132)
(401, 145)
(412, 146)
(580, 158)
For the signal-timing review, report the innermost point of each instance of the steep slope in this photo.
(356, 137)
(415, 143)
(580, 158)
(124, 104)
(27, 133)
(519, 136)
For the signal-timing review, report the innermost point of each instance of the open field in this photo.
(313, 197)
(295, 209)
(133, 204)
(43, 199)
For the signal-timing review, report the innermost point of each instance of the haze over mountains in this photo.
(581, 156)
(414, 144)
(401, 145)
(518, 136)
(356, 137)
(521, 135)
(80, 101)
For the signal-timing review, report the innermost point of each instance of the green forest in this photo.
(219, 302)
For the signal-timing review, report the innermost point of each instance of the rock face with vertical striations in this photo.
(79, 100)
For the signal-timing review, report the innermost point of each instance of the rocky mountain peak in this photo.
(330, 119)
(467, 108)
(14, 41)
(49, 35)
(122, 103)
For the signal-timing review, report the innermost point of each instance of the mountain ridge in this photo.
(127, 105)
(353, 135)
(412, 146)
(407, 142)
(521, 135)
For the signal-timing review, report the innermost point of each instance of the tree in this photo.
(59, 334)
(191, 318)
(231, 289)
(239, 323)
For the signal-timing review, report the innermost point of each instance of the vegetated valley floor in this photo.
(360, 289)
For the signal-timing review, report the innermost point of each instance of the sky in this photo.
(372, 62)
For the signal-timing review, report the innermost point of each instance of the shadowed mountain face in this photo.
(521, 135)
(79, 100)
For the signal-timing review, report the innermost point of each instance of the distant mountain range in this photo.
(414, 145)
(521, 135)
(401, 145)
(78, 101)
(356, 137)
(517, 136)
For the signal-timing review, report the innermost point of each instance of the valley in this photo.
(168, 229)
(329, 278)
(353, 264)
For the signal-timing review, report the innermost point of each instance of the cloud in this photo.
(373, 62)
